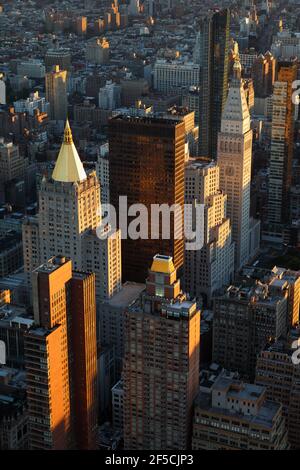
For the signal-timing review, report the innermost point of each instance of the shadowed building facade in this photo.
(213, 49)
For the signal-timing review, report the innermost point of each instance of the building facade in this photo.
(234, 160)
(161, 367)
(56, 93)
(61, 358)
(232, 415)
(69, 223)
(213, 44)
(211, 268)
(146, 166)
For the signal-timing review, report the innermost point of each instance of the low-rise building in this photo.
(232, 415)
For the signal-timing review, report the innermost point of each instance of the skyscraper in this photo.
(146, 165)
(276, 371)
(282, 133)
(61, 358)
(212, 267)
(161, 366)
(234, 160)
(69, 215)
(213, 44)
(56, 93)
(244, 320)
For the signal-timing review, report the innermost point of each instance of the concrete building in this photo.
(232, 415)
(110, 96)
(117, 393)
(56, 93)
(212, 267)
(286, 45)
(276, 371)
(173, 76)
(160, 375)
(12, 163)
(133, 89)
(13, 410)
(61, 353)
(11, 254)
(263, 74)
(112, 319)
(58, 56)
(102, 169)
(245, 318)
(29, 105)
(14, 322)
(234, 160)
(32, 68)
(280, 177)
(97, 51)
(68, 223)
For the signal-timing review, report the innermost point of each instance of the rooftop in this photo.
(129, 293)
(162, 264)
(68, 167)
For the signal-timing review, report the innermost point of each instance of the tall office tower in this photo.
(68, 219)
(161, 366)
(245, 318)
(263, 72)
(234, 160)
(212, 267)
(146, 164)
(232, 415)
(213, 56)
(276, 371)
(282, 133)
(58, 56)
(56, 93)
(61, 358)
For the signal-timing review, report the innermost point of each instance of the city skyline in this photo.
(149, 229)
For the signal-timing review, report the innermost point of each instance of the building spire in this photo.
(68, 138)
(68, 167)
(236, 117)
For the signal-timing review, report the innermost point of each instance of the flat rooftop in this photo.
(51, 265)
(129, 293)
(263, 418)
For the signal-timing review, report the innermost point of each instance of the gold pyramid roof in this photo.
(162, 264)
(68, 167)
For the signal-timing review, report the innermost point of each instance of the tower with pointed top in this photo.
(69, 215)
(234, 159)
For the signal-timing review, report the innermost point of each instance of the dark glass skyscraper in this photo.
(213, 57)
(146, 164)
